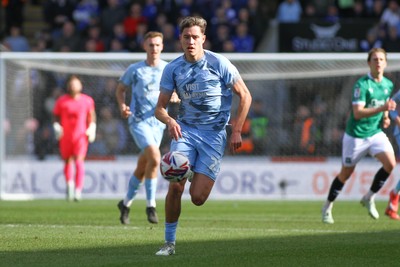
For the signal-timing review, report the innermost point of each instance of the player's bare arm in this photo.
(241, 90)
(360, 111)
(120, 95)
(161, 114)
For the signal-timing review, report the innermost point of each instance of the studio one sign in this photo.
(322, 37)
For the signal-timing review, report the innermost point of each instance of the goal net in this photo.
(304, 100)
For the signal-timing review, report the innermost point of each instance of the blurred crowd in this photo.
(234, 25)
(119, 25)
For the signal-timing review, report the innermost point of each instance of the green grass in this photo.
(220, 233)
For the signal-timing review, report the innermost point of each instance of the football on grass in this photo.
(174, 166)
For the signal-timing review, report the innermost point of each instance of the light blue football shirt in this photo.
(393, 113)
(144, 80)
(204, 88)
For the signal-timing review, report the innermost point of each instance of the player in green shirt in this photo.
(370, 105)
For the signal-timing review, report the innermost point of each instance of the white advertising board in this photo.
(242, 178)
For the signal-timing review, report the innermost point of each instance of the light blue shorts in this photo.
(204, 149)
(147, 132)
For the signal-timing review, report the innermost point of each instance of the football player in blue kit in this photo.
(205, 83)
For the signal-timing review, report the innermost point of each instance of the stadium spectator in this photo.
(289, 11)
(186, 8)
(119, 34)
(195, 132)
(358, 10)
(242, 40)
(259, 125)
(86, 14)
(150, 11)
(364, 133)
(74, 126)
(258, 20)
(135, 43)
(392, 42)
(391, 14)
(310, 11)
(16, 42)
(169, 8)
(117, 47)
(133, 19)
(377, 9)
(142, 79)
(304, 132)
(228, 47)
(112, 131)
(222, 35)
(229, 12)
(94, 34)
(168, 31)
(371, 40)
(332, 15)
(113, 14)
(69, 41)
(56, 13)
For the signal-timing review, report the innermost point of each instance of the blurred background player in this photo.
(144, 80)
(74, 126)
(393, 205)
(370, 105)
(205, 83)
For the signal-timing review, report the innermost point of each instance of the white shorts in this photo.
(353, 149)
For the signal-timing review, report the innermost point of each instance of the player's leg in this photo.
(80, 150)
(135, 182)
(152, 154)
(139, 135)
(388, 163)
(206, 166)
(200, 188)
(172, 213)
(66, 155)
(79, 177)
(353, 149)
(382, 149)
(68, 174)
(335, 189)
(393, 203)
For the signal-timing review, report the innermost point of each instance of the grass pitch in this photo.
(220, 233)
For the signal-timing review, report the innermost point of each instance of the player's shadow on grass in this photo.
(318, 249)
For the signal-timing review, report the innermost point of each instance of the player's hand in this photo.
(58, 130)
(174, 129)
(125, 112)
(385, 122)
(391, 104)
(175, 98)
(91, 132)
(235, 141)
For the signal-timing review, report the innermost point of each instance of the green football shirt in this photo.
(373, 94)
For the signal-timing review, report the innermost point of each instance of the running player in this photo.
(370, 105)
(205, 82)
(143, 78)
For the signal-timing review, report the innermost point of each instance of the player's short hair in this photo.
(153, 34)
(70, 78)
(376, 50)
(193, 21)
